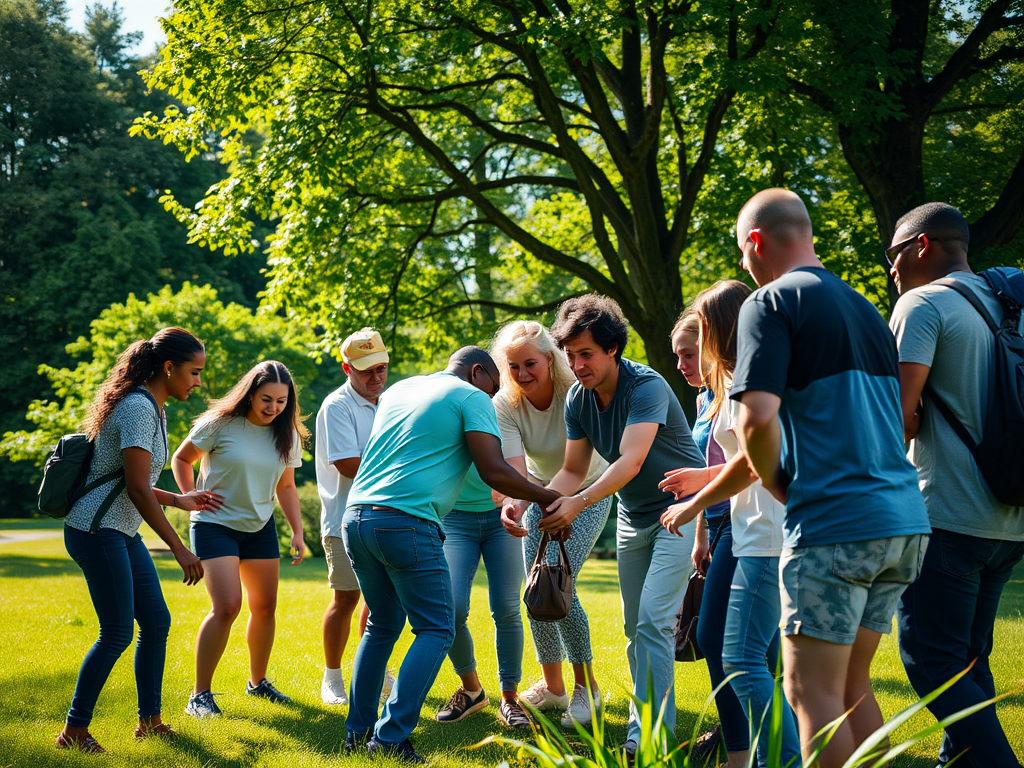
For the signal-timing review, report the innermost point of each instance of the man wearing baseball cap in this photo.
(342, 429)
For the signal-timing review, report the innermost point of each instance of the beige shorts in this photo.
(340, 576)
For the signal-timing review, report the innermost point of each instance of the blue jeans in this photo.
(946, 620)
(468, 536)
(652, 567)
(711, 634)
(124, 588)
(399, 561)
(751, 628)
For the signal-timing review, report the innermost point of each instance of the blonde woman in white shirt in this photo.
(249, 444)
(535, 378)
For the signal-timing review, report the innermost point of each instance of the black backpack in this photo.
(66, 470)
(1000, 454)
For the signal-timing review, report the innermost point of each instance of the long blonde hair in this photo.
(529, 331)
(718, 308)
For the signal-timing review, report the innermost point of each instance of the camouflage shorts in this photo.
(829, 591)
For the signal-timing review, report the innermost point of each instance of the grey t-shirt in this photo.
(641, 396)
(132, 424)
(937, 327)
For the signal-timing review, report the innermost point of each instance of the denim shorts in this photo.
(829, 591)
(210, 540)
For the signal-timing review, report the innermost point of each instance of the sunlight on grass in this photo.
(48, 624)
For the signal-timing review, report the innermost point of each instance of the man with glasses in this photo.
(427, 431)
(947, 616)
(818, 385)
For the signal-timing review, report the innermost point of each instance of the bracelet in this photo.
(174, 500)
(585, 499)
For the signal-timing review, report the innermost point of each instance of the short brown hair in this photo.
(597, 314)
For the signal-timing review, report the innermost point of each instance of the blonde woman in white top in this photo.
(531, 415)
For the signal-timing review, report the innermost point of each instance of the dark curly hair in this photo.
(597, 314)
(236, 404)
(134, 367)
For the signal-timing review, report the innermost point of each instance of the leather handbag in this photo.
(548, 593)
(685, 630)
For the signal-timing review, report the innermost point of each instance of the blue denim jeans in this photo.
(946, 620)
(652, 565)
(125, 589)
(468, 537)
(711, 634)
(400, 563)
(751, 628)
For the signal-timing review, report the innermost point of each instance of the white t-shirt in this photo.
(241, 462)
(343, 426)
(756, 515)
(539, 435)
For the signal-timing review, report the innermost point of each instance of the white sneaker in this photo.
(579, 708)
(539, 697)
(389, 683)
(333, 691)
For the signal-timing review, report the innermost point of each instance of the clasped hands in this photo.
(557, 520)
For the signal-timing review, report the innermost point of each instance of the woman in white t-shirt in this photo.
(249, 444)
(535, 379)
(754, 609)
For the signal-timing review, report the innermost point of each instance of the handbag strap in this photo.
(714, 542)
(542, 552)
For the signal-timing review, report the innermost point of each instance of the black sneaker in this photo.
(461, 705)
(267, 691)
(403, 751)
(511, 713)
(705, 751)
(202, 705)
(355, 742)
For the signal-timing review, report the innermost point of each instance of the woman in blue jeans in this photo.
(473, 530)
(714, 525)
(745, 636)
(127, 426)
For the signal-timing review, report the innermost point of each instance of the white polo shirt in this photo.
(343, 426)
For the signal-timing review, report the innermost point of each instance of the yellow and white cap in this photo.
(364, 349)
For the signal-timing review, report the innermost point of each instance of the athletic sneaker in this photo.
(389, 683)
(333, 691)
(539, 697)
(202, 705)
(579, 707)
(511, 713)
(265, 690)
(403, 752)
(356, 741)
(461, 705)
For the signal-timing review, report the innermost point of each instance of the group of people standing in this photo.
(813, 526)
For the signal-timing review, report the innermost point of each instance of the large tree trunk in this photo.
(656, 336)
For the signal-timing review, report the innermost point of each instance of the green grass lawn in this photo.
(48, 624)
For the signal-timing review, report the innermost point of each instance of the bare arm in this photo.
(760, 438)
(912, 380)
(485, 449)
(735, 475)
(140, 491)
(634, 446)
(182, 465)
(288, 499)
(347, 467)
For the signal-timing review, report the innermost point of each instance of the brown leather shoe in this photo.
(163, 730)
(84, 743)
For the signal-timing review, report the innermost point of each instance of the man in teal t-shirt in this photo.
(427, 431)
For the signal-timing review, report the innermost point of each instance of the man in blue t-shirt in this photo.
(629, 415)
(820, 422)
(427, 431)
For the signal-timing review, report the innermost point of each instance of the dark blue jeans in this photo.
(402, 571)
(711, 634)
(125, 589)
(946, 620)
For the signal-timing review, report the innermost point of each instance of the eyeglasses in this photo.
(893, 251)
(494, 385)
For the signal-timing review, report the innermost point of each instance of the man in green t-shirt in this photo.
(427, 431)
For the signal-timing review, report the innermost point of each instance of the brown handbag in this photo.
(685, 630)
(548, 593)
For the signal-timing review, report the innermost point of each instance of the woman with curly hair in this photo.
(249, 443)
(101, 532)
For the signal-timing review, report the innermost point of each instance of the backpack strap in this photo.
(114, 493)
(945, 410)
